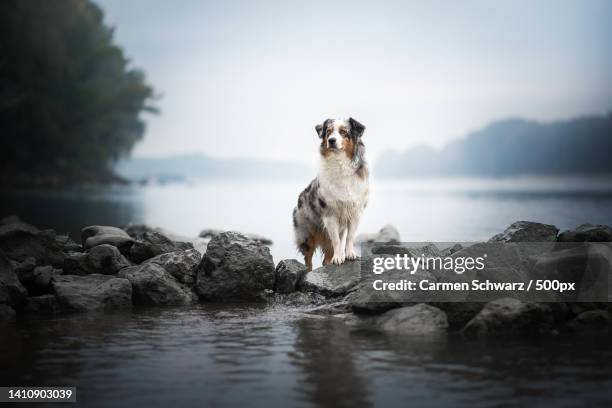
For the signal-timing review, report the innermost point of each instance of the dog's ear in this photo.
(356, 128)
(322, 128)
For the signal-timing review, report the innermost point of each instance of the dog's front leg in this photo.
(350, 239)
(333, 231)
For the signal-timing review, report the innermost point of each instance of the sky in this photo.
(253, 78)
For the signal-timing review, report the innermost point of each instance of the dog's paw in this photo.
(351, 255)
(337, 260)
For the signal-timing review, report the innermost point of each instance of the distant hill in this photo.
(181, 167)
(512, 147)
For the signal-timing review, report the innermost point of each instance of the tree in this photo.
(70, 103)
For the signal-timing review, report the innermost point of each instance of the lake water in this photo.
(252, 355)
(442, 210)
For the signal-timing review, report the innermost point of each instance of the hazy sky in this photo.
(253, 78)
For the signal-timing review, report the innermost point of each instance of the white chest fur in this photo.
(341, 188)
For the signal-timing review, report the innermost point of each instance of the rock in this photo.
(180, 264)
(593, 320)
(210, 233)
(289, 273)
(104, 259)
(152, 285)
(24, 268)
(93, 292)
(7, 314)
(12, 292)
(419, 320)
(331, 309)
(43, 305)
(299, 299)
(149, 245)
(388, 233)
(332, 280)
(20, 241)
(68, 244)
(459, 313)
(38, 280)
(451, 250)
(526, 231)
(9, 219)
(95, 235)
(234, 268)
(510, 317)
(135, 230)
(587, 233)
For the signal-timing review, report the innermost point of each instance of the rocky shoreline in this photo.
(42, 274)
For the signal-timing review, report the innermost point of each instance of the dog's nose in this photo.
(332, 141)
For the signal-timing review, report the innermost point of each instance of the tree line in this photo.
(71, 104)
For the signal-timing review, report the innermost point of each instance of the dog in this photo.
(328, 210)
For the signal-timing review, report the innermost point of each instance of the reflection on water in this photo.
(439, 210)
(251, 356)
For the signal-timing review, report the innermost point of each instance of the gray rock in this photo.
(235, 268)
(459, 313)
(20, 241)
(151, 244)
(180, 264)
(67, 244)
(331, 309)
(418, 320)
(7, 314)
(526, 231)
(12, 292)
(152, 285)
(388, 233)
(332, 280)
(43, 305)
(587, 233)
(92, 293)
(104, 259)
(592, 320)
(510, 317)
(289, 273)
(210, 233)
(95, 235)
(451, 250)
(299, 299)
(38, 280)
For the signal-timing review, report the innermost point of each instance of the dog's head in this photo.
(340, 136)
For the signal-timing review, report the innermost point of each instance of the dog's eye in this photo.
(329, 130)
(343, 132)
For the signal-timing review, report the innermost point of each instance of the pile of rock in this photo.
(112, 268)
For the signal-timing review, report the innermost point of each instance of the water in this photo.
(248, 355)
(251, 356)
(439, 210)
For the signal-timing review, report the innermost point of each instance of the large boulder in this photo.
(587, 233)
(104, 259)
(182, 265)
(235, 268)
(388, 233)
(418, 320)
(92, 293)
(289, 273)
(332, 280)
(526, 231)
(12, 292)
(20, 241)
(510, 317)
(95, 235)
(152, 285)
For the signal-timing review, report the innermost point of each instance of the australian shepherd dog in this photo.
(328, 210)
